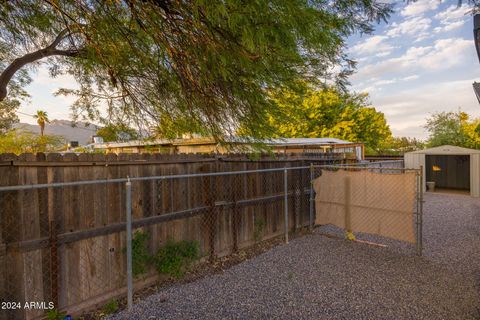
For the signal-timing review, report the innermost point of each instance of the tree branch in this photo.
(19, 63)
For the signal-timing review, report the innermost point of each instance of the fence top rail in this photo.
(363, 167)
(372, 163)
(165, 177)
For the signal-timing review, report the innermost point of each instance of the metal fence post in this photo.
(311, 196)
(285, 184)
(128, 186)
(420, 214)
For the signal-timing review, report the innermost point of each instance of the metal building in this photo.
(450, 167)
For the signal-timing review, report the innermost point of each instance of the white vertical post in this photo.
(285, 184)
(311, 196)
(420, 215)
(128, 187)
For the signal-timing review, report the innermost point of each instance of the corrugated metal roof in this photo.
(446, 150)
(272, 142)
(305, 141)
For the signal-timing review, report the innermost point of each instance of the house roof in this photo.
(305, 141)
(201, 141)
(446, 150)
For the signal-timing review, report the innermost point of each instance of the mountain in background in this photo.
(82, 132)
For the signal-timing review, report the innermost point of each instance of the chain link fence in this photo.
(75, 246)
(370, 203)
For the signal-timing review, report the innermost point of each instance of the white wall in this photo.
(475, 175)
(415, 161)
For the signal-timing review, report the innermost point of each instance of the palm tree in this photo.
(42, 119)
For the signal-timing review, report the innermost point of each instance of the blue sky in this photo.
(423, 61)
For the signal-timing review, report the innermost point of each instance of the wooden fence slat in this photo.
(82, 227)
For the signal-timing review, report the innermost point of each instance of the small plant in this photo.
(254, 156)
(110, 307)
(258, 228)
(141, 258)
(55, 314)
(175, 258)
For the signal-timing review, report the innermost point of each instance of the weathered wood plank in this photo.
(90, 219)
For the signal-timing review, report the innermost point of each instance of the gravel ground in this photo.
(319, 277)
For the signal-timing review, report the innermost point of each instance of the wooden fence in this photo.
(66, 245)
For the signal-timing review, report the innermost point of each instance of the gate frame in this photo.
(418, 212)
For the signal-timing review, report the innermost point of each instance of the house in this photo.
(209, 145)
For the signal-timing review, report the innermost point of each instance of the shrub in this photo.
(141, 258)
(111, 307)
(175, 258)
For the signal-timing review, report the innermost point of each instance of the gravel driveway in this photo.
(318, 277)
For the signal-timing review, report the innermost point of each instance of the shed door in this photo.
(452, 172)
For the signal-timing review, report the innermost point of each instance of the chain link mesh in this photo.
(374, 202)
(67, 245)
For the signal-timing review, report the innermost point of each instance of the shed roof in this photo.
(446, 150)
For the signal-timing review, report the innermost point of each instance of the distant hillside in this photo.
(81, 132)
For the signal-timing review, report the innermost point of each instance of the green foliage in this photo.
(328, 112)
(258, 228)
(16, 141)
(8, 117)
(203, 65)
(396, 146)
(110, 307)
(453, 128)
(55, 314)
(117, 132)
(175, 258)
(141, 257)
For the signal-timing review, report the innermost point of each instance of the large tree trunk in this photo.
(7, 74)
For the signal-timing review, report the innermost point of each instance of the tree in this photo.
(210, 63)
(117, 132)
(471, 130)
(8, 117)
(453, 128)
(398, 146)
(42, 119)
(18, 142)
(328, 113)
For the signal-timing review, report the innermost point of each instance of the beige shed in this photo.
(450, 167)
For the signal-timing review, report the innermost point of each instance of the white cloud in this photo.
(374, 45)
(450, 26)
(412, 77)
(418, 8)
(376, 84)
(406, 110)
(410, 27)
(451, 13)
(444, 54)
(452, 18)
(383, 54)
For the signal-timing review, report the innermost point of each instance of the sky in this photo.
(423, 61)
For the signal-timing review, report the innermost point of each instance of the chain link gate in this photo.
(377, 199)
